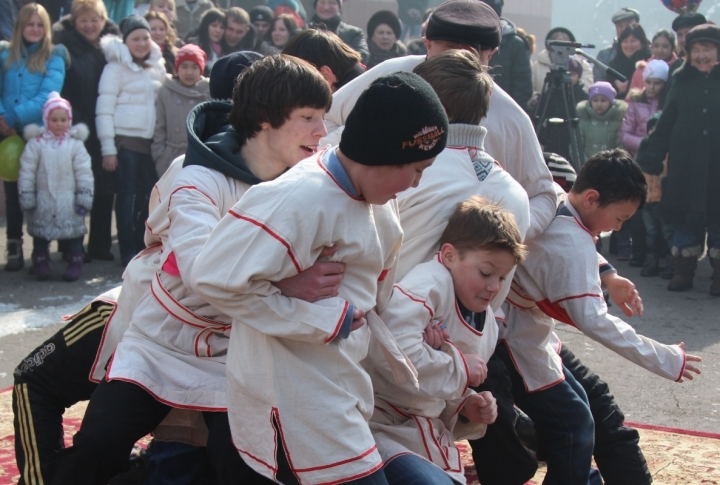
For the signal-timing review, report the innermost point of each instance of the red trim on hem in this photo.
(523, 377)
(422, 435)
(457, 410)
(355, 477)
(338, 326)
(273, 234)
(575, 297)
(417, 300)
(165, 401)
(437, 445)
(338, 463)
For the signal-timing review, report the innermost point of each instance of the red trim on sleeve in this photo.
(273, 234)
(418, 300)
(682, 369)
(384, 274)
(422, 435)
(339, 323)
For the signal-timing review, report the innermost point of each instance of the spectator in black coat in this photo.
(511, 67)
(328, 12)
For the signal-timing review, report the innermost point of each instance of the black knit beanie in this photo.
(226, 70)
(262, 13)
(384, 17)
(397, 120)
(131, 23)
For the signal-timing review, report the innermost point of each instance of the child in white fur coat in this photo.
(56, 186)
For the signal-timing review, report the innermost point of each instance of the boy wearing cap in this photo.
(623, 18)
(299, 401)
(511, 140)
(176, 98)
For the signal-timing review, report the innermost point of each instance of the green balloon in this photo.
(10, 150)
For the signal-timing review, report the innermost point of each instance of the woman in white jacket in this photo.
(125, 120)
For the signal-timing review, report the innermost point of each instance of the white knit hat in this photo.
(656, 69)
(54, 102)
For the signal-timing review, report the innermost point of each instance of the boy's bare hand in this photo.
(476, 368)
(109, 162)
(624, 294)
(690, 370)
(321, 280)
(435, 334)
(480, 408)
(358, 319)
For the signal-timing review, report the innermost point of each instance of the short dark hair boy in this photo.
(271, 93)
(616, 178)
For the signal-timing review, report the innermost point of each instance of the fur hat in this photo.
(384, 17)
(602, 88)
(397, 120)
(191, 52)
(56, 102)
(465, 22)
(705, 32)
(690, 19)
(656, 69)
(556, 30)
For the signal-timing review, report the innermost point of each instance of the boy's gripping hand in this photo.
(689, 368)
(321, 280)
(358, 319)
(624, 294)
(480, 408)
(477, 369)
(435, 334)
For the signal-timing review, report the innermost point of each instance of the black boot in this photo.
(15, 259)
(715, 262)
(652, 266)
(685, 266)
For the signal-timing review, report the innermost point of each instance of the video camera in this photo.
(561, 50)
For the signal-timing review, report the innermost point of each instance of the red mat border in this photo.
(652, 427)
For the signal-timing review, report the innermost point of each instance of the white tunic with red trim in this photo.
(426, 209)
(137, 275)
(285, 364)
(176, 343)
(424, 421)
(560, 280)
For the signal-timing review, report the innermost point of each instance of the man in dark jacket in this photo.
(622, 19)
(511, 68)
(327, 12)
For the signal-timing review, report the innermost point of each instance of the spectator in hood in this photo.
(328, 12)
(511, 68)
(542, 66)
(623, 18)
(384, 30)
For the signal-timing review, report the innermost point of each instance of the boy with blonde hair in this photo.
(440, 315)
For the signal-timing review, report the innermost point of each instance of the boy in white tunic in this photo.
(173, 353)
(559, 280)
(298, 400)
(415, 429)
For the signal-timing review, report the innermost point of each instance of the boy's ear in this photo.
(448, 253)
(591, 198)
(329, 76)
(265, 125)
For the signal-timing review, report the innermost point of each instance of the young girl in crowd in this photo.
(163, 34)
(176, 98)
(30, 68)
(282, 30)
(642, 105)
(125, 120)
(662, 48)
(56, 186)
(209, 36)
(600, 120)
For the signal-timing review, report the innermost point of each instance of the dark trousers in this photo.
(74, 245)
(100, 238)
(636, 226)
(51, 378)
(136, 177)
(120, 413)
(617, 450)
(501, 459)
(13, 213)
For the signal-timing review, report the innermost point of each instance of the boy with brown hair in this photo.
(299, 401)
(440, 316)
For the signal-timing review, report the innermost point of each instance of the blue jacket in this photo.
(24, 93)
